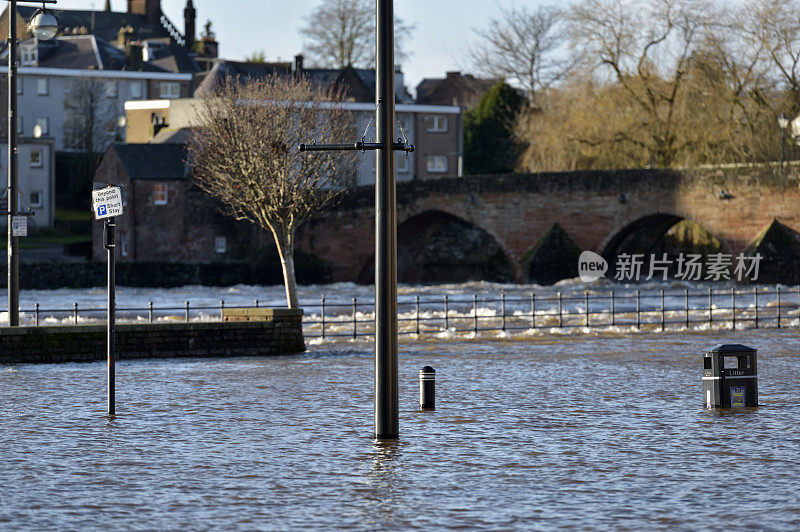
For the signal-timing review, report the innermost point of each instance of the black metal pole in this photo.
(386, 400)
(13, 178)
(110, 226)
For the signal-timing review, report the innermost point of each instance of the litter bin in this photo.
(730, 376)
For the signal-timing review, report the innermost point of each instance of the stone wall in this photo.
(281, 333)
(57, 274)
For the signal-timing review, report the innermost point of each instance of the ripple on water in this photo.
(599, 432)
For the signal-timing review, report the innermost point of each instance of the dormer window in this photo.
(29, 55)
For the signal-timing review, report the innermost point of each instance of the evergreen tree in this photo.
(489, 146)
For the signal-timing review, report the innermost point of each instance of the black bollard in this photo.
(427, 388)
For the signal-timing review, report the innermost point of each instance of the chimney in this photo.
(298, 65)
(135, 57)
(189, 23)
(150, 9)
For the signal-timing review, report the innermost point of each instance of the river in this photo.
(587, 431)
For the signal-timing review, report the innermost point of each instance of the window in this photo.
(41, 86)
(74, 131)
(123, 244)
(19, 124)
(19, 84)
(111, 89)
(29, 55)
(36, 157)
(136, 89)
(437, 164)
(44, 123)
(169, 89)
(220, 244)
(437, 123)
(160, 194)
(402, 162)
(36, 198)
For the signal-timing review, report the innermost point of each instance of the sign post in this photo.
(106, 204)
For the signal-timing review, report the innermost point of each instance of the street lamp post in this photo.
(44, 26)
(783, 122)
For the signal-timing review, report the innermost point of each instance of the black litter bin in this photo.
(730, 376)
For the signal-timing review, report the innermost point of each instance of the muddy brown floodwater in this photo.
(579, 432)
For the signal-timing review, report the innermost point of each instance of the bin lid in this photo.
(730, 348)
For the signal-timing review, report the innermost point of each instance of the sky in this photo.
(440, 42)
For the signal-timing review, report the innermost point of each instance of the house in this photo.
(167, 218)
(435, 130)
(75, 85)
(36, 178)
(75, 88)
(454, 89)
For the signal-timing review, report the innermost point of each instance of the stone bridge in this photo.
(517, 223)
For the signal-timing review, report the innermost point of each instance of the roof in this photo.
(247, 71)
(153, 161)
(172, 136)
(730, 348)
(359, 82)
(105, 25)
(466, 88)
(81, 52)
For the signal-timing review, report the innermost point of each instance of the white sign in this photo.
(19, 226)
(107, 202)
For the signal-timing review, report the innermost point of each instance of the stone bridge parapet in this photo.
(593, 208)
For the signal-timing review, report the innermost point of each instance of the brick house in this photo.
(167, 218)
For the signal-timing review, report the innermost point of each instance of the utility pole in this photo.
(13, 178)
(44, 26)
(386, 398)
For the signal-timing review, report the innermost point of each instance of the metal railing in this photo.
(473, 313)
(636, 310)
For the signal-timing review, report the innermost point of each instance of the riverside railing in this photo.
(472, 313)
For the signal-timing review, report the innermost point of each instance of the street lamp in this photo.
(783, 122)
(44, 26)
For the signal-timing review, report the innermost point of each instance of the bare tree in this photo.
(645, 47)
(244, 152)
(89, 118)
(341, 33)
(775, 27)
(522, 46)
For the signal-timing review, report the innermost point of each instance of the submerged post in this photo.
(427, 388)
(112, 307)
(13, 179)
(106, 205)
(386, 399)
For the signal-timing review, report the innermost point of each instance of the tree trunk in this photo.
(284, 239)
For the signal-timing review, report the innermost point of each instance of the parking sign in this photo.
(107, 202)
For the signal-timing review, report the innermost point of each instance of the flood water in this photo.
(579, 432)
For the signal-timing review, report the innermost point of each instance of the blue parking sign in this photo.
(101, 210)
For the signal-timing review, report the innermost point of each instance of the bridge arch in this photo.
(660, 233)
(437, 246)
